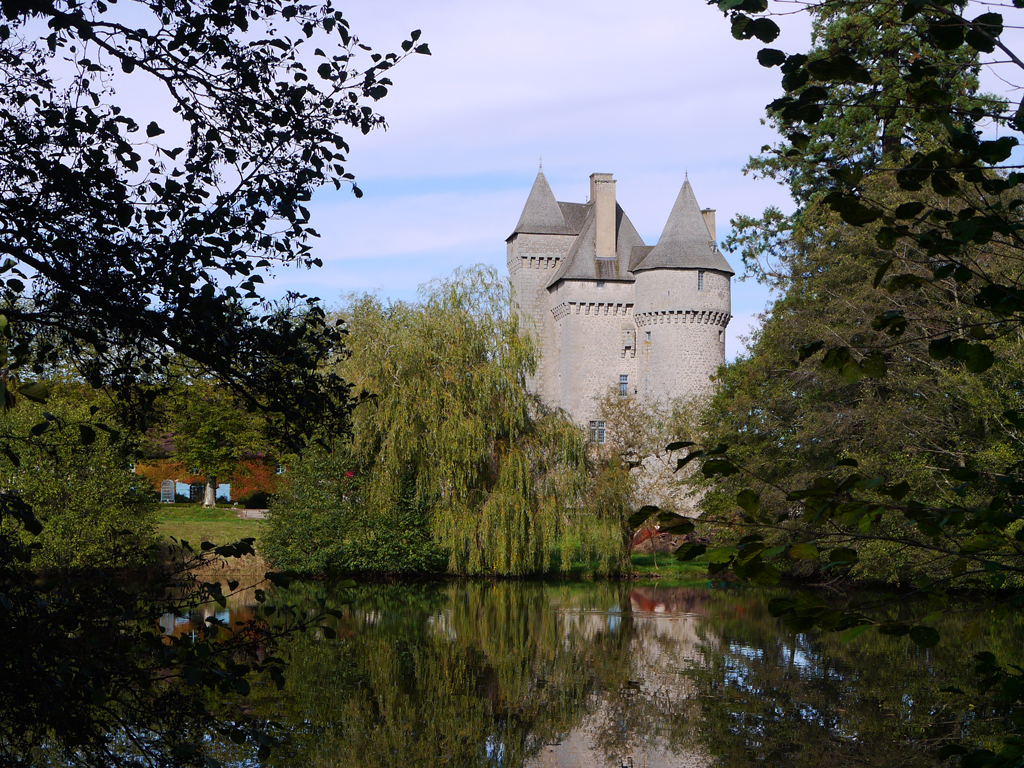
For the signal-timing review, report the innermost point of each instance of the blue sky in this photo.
(648, 91)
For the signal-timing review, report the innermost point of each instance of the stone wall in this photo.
(594, 342)
(532, 261)
(680, 331)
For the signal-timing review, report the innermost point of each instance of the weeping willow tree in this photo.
(449, 440)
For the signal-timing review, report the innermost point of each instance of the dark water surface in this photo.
(610, 674)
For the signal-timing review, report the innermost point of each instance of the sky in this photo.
(651, 91)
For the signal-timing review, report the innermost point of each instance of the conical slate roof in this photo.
(542, 215)
(685, 243)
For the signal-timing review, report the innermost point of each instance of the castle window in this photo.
(600, 283)
(647, 337)
(623, 385)
(721, 335)
(700, 279)
(597, 432)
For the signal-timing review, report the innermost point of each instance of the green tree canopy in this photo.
(449, 445)
(77, 477)
(211, 432)
(944, 214)
(129, 241)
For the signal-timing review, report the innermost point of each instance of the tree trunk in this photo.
(210, 492)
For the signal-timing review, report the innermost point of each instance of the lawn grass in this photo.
(665, 570)
(195, 524)
(218, 525)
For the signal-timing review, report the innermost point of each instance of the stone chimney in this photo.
(709, 219)
(602, 195)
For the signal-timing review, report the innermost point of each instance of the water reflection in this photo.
(611, 675)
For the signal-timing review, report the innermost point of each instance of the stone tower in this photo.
(611, 313)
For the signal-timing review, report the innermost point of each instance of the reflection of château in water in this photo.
(665, 641)
(621, 727)
(241, 606)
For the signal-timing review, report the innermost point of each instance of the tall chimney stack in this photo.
(709, 219)
(602, 195)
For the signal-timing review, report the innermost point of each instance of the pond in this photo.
(608, 674)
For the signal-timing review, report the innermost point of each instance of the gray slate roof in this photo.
(685, 243)
(581, 262)
(575, 215)
(542, 214)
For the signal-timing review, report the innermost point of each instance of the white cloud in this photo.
(649, 94)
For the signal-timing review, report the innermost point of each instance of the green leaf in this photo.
(803, 552)
(854, 632)
(680, 463)
(946, 34)
(770, 57)
(749, 501)
(720, 555)
(690, 551)
(678, 445)
(940, 349)
(278, 579)
(35, 391)
(908, 211)
(719, 468)
(807, 350)
(642, 515)
(880, 273)
(780, 606)
(842, 556)
(874, 366)
(985, 30)
(841, 67)
(979, 358)
(674, 524)
(87, 434)
(893, 628)
(926, 637)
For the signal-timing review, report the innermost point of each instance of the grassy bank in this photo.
(221, 525)
(218, 525)
(665, 570)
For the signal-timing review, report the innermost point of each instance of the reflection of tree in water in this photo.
(525, 675)
(477, 674)
(467, 675)
(769, 698)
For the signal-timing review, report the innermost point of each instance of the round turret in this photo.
(682, 305)
(680, 316)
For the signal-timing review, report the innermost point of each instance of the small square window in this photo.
(700, 279)
(600, 283)
(279, 469)
(623, 385)
(597, 432)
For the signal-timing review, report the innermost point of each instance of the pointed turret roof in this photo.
(542, 215)
(685, 243)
